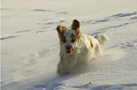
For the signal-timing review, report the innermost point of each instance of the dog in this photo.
(77, 48)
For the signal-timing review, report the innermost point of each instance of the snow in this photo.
(30, 44)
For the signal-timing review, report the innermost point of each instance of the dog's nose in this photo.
(68, 47)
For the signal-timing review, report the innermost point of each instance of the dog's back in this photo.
(91, 47)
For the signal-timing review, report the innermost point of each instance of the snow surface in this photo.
(30, 44)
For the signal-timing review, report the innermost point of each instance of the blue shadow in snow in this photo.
(115, 87)
(9, 37)
(133, 18)
(124, 15)
(42, 10)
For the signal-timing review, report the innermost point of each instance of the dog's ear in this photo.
(61, 28)
(75, 24)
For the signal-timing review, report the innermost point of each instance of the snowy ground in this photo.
(30, 44)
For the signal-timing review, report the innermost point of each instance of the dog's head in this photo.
(69, 37)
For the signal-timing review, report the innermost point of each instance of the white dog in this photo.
(77, 48)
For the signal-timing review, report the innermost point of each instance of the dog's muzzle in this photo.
(69, 49)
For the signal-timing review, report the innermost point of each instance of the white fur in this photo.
(83, 52)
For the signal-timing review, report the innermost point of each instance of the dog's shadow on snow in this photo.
(54, 82)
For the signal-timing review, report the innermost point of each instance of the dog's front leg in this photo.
(73, 61)
(62, 68)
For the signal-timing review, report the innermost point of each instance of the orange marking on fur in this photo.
(61, 29)
(91, 43)
(74, 38)
(76, 26)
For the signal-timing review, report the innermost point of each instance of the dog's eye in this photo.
(64, 41)
(72, 40)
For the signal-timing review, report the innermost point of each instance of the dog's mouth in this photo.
(69, 51)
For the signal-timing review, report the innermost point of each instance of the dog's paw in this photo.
(62, 72)
(65, 73)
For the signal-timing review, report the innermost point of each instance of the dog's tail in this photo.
(102, 39)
